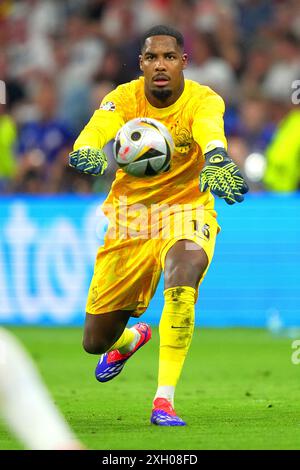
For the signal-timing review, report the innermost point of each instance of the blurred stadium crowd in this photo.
(58, 58)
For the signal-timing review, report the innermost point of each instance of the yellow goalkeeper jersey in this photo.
(194, 120)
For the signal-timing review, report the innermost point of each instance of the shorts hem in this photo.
(136, 311)
(172, 242)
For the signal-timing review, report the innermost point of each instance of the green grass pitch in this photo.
(239, 390)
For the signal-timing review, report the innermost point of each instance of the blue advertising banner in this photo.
(48, 246)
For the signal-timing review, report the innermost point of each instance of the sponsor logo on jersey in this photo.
(108, 106)
(182, 138)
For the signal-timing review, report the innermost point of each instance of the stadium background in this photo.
(57, 60)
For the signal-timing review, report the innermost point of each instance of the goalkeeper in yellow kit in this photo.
(128, 268)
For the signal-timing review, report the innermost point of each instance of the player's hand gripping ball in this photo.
(143, 147)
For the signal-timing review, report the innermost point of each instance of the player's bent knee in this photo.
(93, 345)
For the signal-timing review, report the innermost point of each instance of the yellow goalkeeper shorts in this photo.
(127, 270)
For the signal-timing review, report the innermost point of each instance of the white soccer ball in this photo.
(143, 147)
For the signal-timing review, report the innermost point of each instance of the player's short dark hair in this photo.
(163, 30)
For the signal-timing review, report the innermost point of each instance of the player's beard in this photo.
(161, 94)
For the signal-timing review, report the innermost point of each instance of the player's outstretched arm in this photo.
(222, 176)
(88, 160)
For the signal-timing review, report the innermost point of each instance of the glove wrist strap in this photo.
(216, 151)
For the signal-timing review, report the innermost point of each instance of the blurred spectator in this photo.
(182, 14)
(226, 32)
(151, 12)
(95, 9)
(58, 59)
(285, 69)
(121, 31)
(118, 22)
(78, 55)
(256, 67)
(208, 68)
(254, 16)
(253, 124)
(42, 140)
(46, 132)
(29, 25)
(112, 69)
(85, 51)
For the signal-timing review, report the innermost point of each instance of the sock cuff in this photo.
(186, 293)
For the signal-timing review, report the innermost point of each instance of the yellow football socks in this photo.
(176, 330)
(125, 343)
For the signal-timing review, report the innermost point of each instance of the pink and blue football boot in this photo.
(163, 414)
(111, 364)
